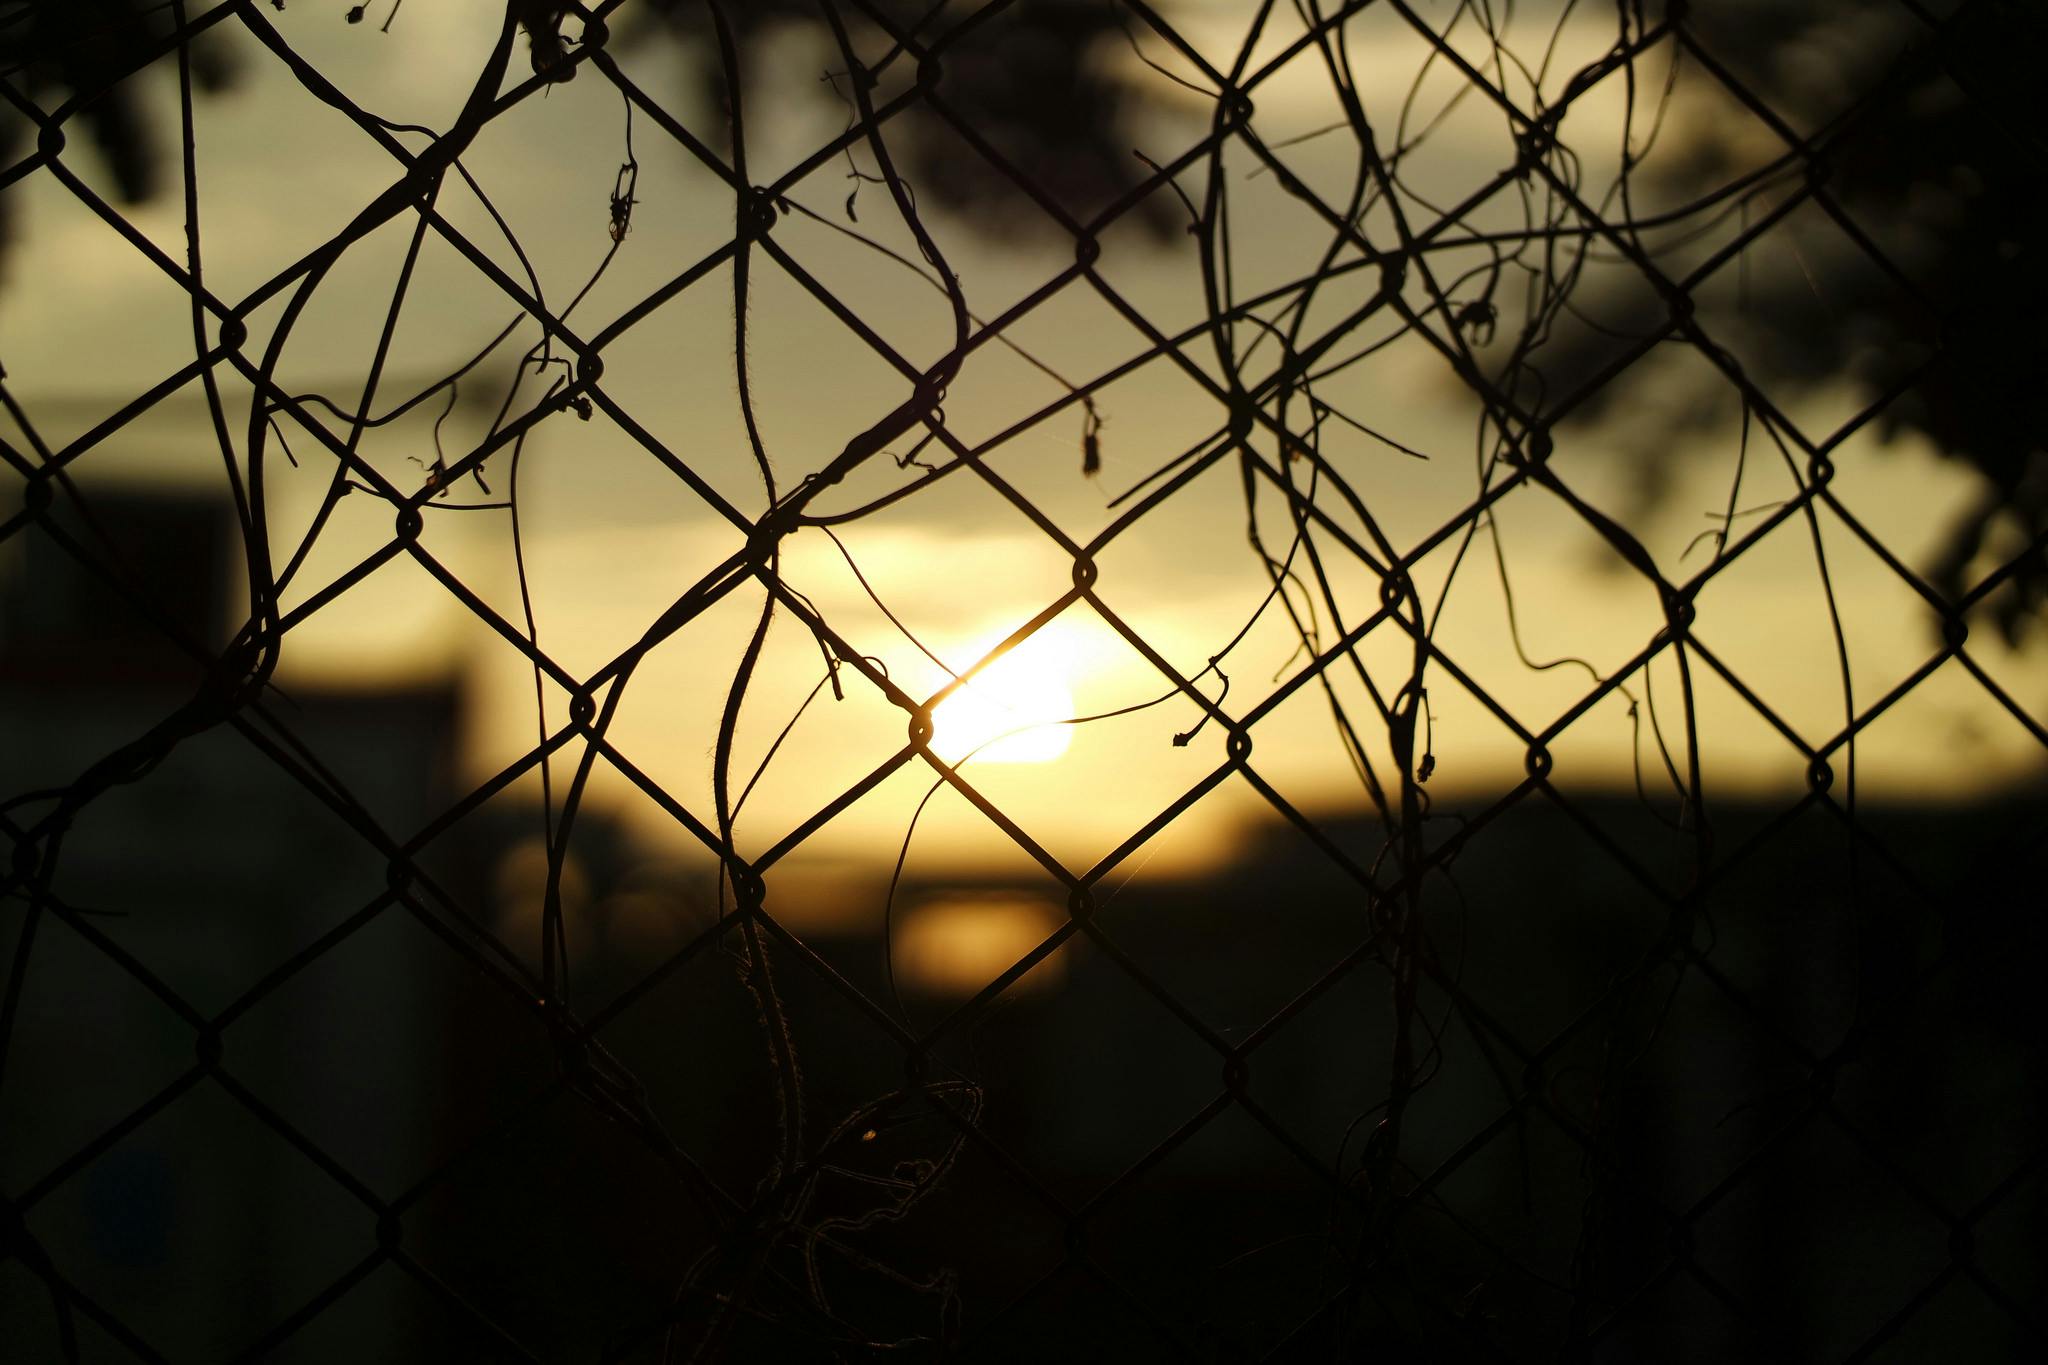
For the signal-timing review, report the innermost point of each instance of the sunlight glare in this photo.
(1025, 692)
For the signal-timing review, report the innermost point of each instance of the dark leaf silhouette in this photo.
(86, 51)
(1923, 282)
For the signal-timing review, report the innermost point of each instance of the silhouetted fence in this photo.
(1546, 1075)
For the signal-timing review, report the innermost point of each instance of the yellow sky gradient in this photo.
(612, 538)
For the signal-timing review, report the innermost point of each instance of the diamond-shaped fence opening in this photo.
(1064, 678)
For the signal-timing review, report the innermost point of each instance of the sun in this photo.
(1011, 711)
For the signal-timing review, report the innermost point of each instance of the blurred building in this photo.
(1755, 1127)
(186, 885)
(1662, 1131)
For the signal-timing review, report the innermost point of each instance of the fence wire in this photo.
(835, 1176)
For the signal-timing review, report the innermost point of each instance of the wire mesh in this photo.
(1784, 1073)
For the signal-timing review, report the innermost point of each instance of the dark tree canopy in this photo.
(1027, 80)
(84, 51)
(1930, 290)
(1030, 81)
(1930, 139)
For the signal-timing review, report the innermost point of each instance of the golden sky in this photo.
(612, 537)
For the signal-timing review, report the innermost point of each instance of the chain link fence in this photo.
(1511, 1071)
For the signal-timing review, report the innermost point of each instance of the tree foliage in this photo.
(1917, 269)
(1923, 139)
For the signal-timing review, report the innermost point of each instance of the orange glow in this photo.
(958, 944)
